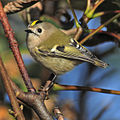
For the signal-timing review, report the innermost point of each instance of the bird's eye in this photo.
(39, 30)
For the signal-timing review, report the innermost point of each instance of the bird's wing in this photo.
(72, 51)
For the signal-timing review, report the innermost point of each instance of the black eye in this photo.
(39, 30)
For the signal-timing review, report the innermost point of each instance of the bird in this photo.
(55, 50)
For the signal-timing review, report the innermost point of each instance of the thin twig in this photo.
(58, 114)
(96, 6)
(104, 13)
(71, 31)
(58, 87)
(14, 47)
(10, 92)
(99, 28)
(78, 34)
(79, 28)
(74, 15)
(88, 6)
(109, 33)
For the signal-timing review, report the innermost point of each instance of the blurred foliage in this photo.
(4, 115)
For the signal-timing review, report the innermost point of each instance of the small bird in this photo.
(55, 50)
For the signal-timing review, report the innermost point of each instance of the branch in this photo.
(59, 87)
(99, 28)
(9, 90)
(104, 13)
(91, 12)
(14, 47)
(79, 28)
(91, 41)
(58, 114)
(33, 100)
(109, 33)
(18, 5)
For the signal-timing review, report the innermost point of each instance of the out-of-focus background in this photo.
(75, 105)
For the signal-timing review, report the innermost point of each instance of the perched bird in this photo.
(55, 50)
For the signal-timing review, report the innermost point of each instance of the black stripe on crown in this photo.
(39, 21)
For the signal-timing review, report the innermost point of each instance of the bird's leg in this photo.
(50, 82)
(48, 85)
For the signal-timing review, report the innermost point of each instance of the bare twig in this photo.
(99, 28)
(104, 13)
(10, 92)
(18, 5)
(79, 28)
(71, 31)
(14, 47)
(96, 6)
(35, 101)
(84, 88)
(108, 33)
(58, 114)
(89, 12)
(74, 15)
(88, 6)
(78, 34)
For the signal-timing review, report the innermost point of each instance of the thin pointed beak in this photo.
(29, 31)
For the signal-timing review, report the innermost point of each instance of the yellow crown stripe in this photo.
(34, 22)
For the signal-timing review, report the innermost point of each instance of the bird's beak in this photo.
(29, 31)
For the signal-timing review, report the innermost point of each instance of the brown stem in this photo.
(71, 31)
(99, 28)
(84, 88)
(79, 28)
(14, 47)
(109, 33)
(58, 114)
(35, 101)
(97, 4)
(10, 92)
(104, 13)
(78, 34)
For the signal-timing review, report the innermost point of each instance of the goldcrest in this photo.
(55, 50)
